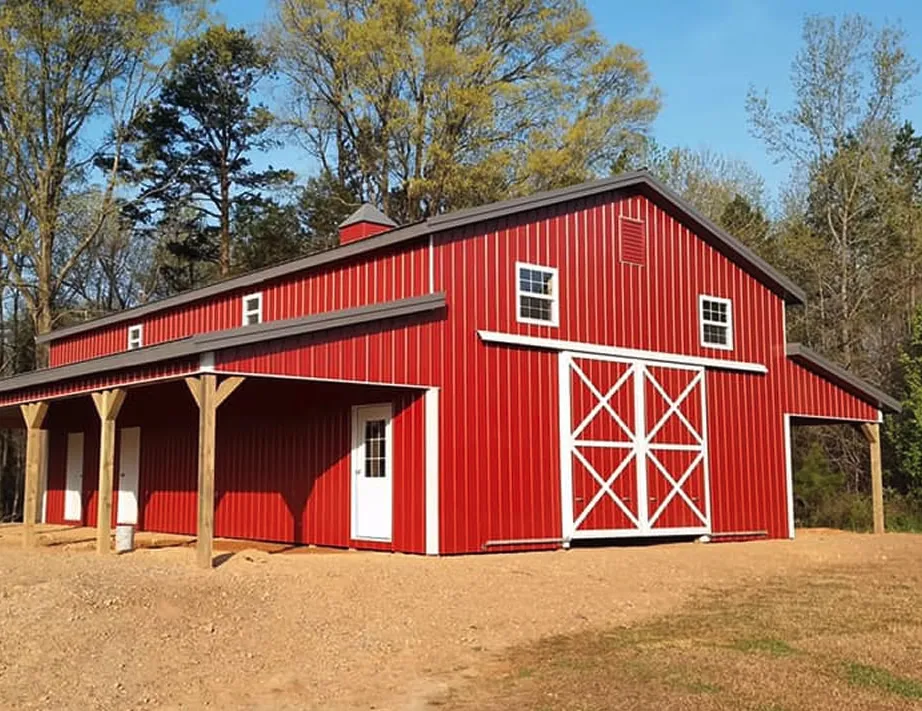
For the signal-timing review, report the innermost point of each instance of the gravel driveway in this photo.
(343, 630)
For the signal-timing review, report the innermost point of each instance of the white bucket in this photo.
(124, 538)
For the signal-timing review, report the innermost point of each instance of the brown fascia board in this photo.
(834, 372)
(230, 338)
(722, 240)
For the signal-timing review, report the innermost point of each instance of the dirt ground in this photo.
(352, 630)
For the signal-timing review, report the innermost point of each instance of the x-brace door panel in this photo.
(633, 443)
(677, 484)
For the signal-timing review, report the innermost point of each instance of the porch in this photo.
(289, 461)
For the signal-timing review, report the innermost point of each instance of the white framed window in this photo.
(252, 309)
(715, 316)
(536, 294)
(135, 337)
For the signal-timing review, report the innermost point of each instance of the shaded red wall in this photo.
(282, 470)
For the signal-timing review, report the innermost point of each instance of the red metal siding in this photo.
(499, 467)
(386, 275)
(810, 395)
(283, 469)
(500, 428)
(69, 388)
(65, 416)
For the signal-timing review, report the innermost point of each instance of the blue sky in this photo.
(704, 55)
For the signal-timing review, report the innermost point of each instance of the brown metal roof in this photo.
(230, 338)
(641, 180)
(834, 372)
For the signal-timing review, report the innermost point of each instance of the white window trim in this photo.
(135, 333)
(720, 300)
(244, 312)
(554, 298)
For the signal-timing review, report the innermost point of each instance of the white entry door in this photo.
(73, 479)
(372, 472)
(128, 474)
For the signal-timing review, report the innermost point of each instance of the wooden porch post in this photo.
(34, 415)
(108, 403)
(208, 395)
(871, 432)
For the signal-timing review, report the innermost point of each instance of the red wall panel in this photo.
(76, 386)
(386, 275)
(809, 395)
(282, 470)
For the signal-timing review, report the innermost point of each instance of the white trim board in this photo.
(432, 470)
(789, 474)
(513, 339)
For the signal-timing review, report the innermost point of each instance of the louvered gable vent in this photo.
(633, 240)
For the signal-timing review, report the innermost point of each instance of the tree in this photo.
(68, 68)
(707, 179)
(904, 432)
(194, 144)
(421, 107)
(849, 82)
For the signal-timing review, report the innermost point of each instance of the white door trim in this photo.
(789, 474)
(129, 484)
(73, 474)
(566, 444)
(431, 403)
(357, 466)
(43, 476)
(661, 358)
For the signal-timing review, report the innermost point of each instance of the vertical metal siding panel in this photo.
(381, 276)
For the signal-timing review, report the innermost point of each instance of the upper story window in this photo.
(252, 309)
(135, 337)
(536, 294)
(716, 319)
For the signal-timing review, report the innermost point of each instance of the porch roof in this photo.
(836, 374)
(192, 346)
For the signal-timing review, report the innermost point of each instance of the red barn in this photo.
(600, 361)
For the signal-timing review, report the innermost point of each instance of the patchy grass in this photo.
(774, 647)
(877, 678)
(846, 639)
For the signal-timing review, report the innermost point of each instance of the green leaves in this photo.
(193, 148)
(425, 106)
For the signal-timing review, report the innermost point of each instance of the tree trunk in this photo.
(224, 259)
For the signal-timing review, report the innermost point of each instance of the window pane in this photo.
(536, 308)
(715, 334)
(536, 281)
(375, 449)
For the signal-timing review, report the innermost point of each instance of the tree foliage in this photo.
(67, 67)
(850, 81)
(421, 107)
(194, 146)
